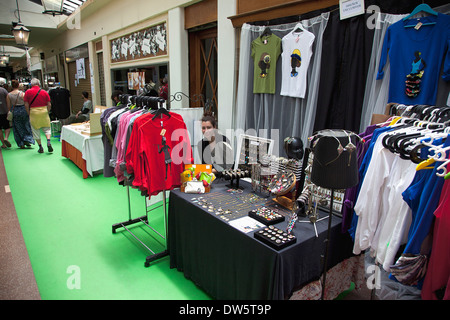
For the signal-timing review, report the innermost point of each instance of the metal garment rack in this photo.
(144, 219)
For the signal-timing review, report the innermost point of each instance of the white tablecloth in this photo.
(91, 147)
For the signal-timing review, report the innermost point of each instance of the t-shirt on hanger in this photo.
(297, 53)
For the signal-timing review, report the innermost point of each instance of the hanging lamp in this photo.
(53, 7)
(19, 31)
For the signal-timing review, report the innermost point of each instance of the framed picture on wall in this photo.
(145, 43)
(81, 69)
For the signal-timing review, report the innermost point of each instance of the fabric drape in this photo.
(291, 116)
(347, 49)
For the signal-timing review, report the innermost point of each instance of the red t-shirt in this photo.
(156, 162)
(438, 269)
(41, 100)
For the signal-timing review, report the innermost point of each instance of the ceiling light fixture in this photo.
(4, 58)
(53, 7)
(19, 31)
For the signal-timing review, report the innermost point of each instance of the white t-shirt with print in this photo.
(296, 55)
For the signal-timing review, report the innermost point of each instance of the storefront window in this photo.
(139, 81)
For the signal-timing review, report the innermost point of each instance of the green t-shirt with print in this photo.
(265, 53)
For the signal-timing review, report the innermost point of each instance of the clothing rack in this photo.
(149, 102)
(421, 112)
(144, 219)
(153, 103)
(418, 127)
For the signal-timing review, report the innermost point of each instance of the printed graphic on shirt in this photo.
(264, 64)
(414, 79)
(165, 148)
(296, 62)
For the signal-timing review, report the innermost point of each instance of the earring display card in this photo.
(275, 238)
(266, 215)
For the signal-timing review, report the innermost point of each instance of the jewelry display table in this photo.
(213, 250)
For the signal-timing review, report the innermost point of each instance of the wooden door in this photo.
(203, 68)
(76, 99)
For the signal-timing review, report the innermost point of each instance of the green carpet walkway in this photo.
(66, 222)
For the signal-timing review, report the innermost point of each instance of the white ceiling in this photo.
(42, 26)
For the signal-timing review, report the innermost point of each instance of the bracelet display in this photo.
(235, 175)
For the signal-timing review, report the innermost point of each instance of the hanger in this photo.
(396, 133)
(161, 110)
(298, 28)
(414, 154)
(266, 32)
(421, 8)
(137, 104)
(441, 171)
(439, 155)
(443, 116)
(129, 102)
(393, 108)
(422, 143)
(400, 142)
(426, 164)
(406, 144)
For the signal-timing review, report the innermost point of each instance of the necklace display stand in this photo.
(281, 185)
(285, 184)
(335, 166)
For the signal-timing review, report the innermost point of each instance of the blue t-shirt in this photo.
(423, 198)
(415, 58)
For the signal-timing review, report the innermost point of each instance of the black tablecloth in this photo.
(230, 264)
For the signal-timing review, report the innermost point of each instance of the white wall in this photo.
(103, 20)
(178, 56)
(226, 42)
(104, 17)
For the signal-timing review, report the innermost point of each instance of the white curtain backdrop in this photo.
(290, 116)
(295, 116)
(376, 92)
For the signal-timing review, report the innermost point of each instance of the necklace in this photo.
(350, 147)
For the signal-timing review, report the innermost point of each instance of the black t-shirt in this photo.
(60, 102)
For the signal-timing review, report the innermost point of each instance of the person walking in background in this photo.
(164, 88)
(21, 121)
(37, 104)
(4, 123)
